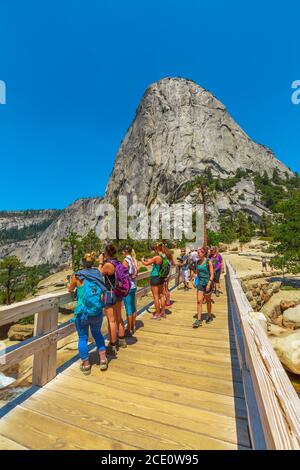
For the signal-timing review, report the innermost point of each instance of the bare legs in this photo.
(162, 300)
(119, 319)
(159, 300)
(167, 293)
(112, 324)
(155, 293)
(200, 299)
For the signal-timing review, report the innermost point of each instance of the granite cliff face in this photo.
(179, 130)
(46, 246)
(18, 229)
(78, 217)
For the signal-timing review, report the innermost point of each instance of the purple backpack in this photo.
(122, 279)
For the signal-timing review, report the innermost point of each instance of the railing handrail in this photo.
(46, 330)
(277, 401)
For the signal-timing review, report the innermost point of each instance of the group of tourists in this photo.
(105, 283)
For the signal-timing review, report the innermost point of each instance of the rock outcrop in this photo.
(19, 332)
(291, 318)
(179, 130)
(260, 292)
(288, 350)
(78, 217)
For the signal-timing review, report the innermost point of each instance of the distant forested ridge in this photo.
(16, 226)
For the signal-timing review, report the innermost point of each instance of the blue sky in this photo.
(75, 72)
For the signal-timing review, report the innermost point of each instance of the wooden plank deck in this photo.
(172, 388)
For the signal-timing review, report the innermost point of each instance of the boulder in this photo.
(288, 351)
(278, 320)
(286, 304)
(276, 287)
(265, 297)
(222, 247)
(277, 330)
(67, 309)
(291, 317)
(265, 288)
(20, 332)
(249, 295)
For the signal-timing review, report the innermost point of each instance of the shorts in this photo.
(202, 288)
(186, 276)
(217, 276)
(130, 302)
(156, 281)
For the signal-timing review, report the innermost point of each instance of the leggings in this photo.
(95, 324)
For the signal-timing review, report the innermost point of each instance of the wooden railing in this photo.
(47, 332)
(273, 405)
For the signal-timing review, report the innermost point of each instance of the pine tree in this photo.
(286, 234)
(11, 277)
(72, 242)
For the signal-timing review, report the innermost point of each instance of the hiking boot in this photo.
(122, 343)
(209, 319)
(104, 365)
(86, 370)
(197, 323)
(112, 350)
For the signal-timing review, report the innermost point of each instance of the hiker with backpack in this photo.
(90, 288)
(159, 273)
(118, 285)
(217, 261)
(130, 263)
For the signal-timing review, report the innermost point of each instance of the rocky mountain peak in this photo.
(179, 130)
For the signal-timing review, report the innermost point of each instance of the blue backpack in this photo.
(94, 289)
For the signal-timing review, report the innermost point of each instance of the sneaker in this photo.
(128, 333)
(156, 317)
(122, 343)
(104, 365)
(86, 370)
(112, 350)
(197, 323)
(209, 319)
(168, 305)
(217, 293)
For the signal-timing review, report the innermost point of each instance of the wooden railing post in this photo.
(44, 361)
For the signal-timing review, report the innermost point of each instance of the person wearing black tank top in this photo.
(116, 327)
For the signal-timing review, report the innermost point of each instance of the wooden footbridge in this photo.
(217, 387)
